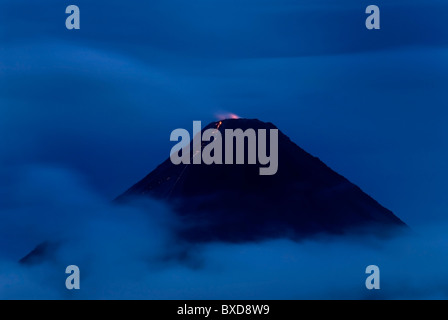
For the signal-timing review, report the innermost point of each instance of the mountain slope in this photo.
(236, 203)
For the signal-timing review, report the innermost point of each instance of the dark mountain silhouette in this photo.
(235, 203)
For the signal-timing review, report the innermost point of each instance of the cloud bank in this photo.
(133, 253)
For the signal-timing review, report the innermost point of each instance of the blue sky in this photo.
(84, 114)
(102, 101)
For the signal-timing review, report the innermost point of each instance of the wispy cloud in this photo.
(127, 253)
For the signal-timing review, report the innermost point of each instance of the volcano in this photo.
(234, 203)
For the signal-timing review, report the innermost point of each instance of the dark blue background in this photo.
(103, 100)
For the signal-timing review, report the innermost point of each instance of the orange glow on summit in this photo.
(224, 116)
